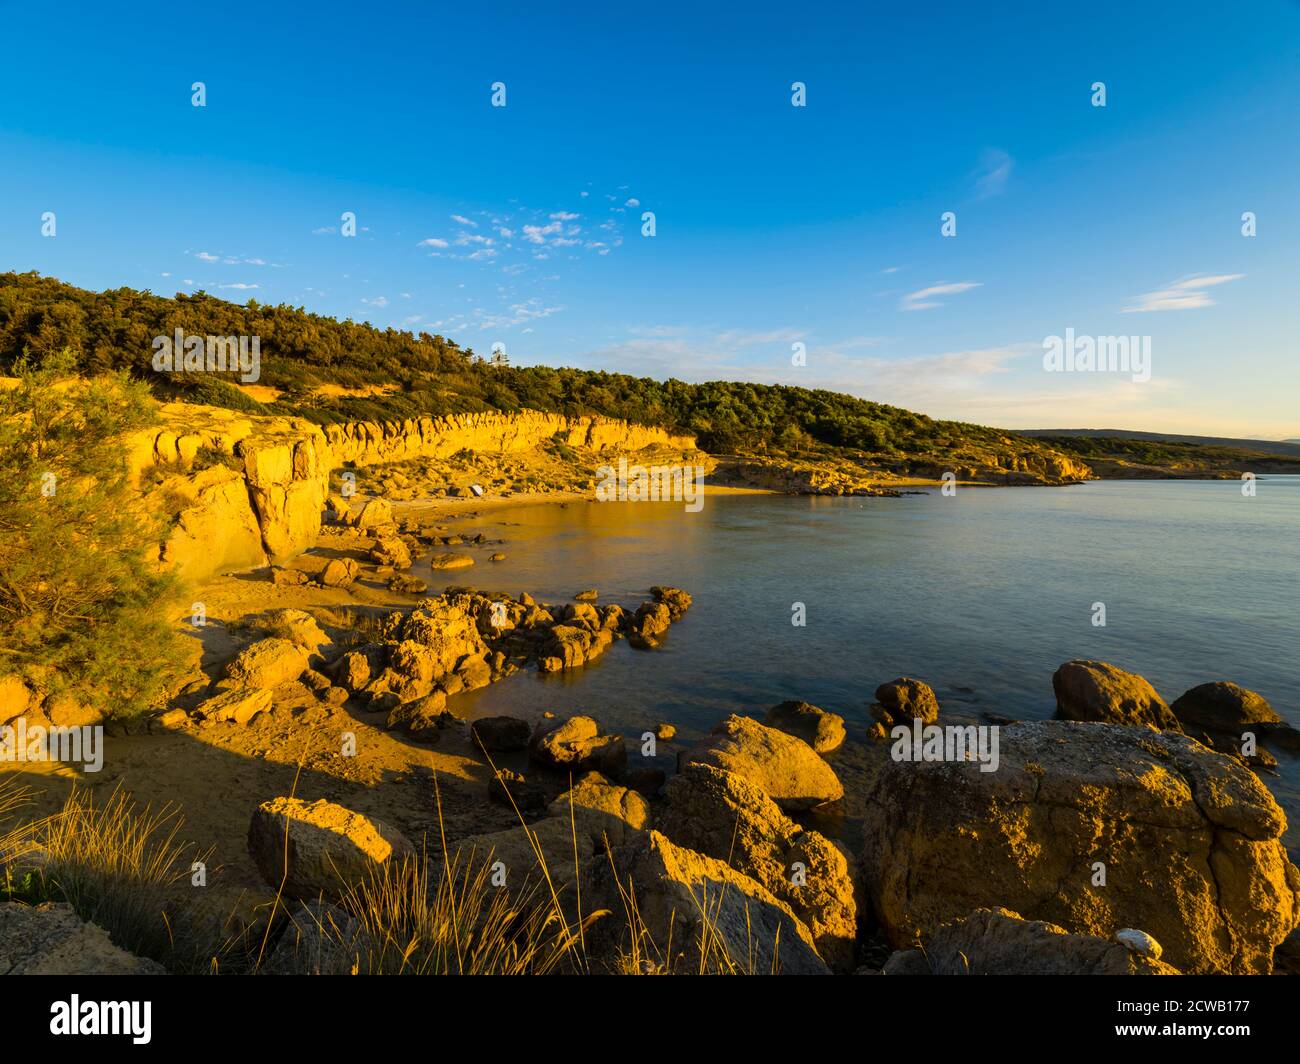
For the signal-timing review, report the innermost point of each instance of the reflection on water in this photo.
(982, 595)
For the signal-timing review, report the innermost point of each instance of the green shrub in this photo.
(78, 593)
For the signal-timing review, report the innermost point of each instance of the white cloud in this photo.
(378, 301)
(207, 256)
(1187, 294)
(923, 299)
(632, 203)
(563, 216)
(460, 219)
(241, 287)
(433, 242)
(537, 234)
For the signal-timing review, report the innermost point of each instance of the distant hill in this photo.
(1287, 447)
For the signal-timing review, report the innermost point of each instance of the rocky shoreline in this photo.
(1126, 836)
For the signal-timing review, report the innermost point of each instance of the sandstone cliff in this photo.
(244, 490)
(367, 442)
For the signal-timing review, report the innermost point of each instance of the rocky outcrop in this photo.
(218, 531)
(607, 813)
(368, 442)
(784, 768)
(51, 939)
(1001, 942)
(719, 814)
(318, 847)
(255, 486)
(1092, 827)
(698, 914)
(1106, 694)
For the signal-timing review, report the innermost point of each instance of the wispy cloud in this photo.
(1187, 294)
(994, 171)
(433, 242)
(460, 219)
(924, 299)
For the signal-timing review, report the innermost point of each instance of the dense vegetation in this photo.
(79, 598)
(300, 352)
(1171, 454)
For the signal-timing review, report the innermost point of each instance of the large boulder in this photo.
(266, 663)
(1001, 942)
(697, 914)
(297, 626)
(239, 706)
(548, 851)
(501, 734)
(720, 814)
(784, 768)
(51, 939)
(609, 814)
(904, 700)
(319, 847)
(1092, 827)
(1106, 694)
(1220, 715)
(375, 513)
(820, 729)
(577, 745)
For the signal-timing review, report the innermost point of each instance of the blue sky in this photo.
(774, 224)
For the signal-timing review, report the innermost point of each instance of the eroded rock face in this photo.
(1104, 693)
(218, 531)
(784, 768)
(720, 814)
(51, 939)
(1000, 942)
(368, 442)
(1189, 842)
(750, 930)
(319, 847)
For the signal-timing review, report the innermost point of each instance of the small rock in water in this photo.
(590, 595)
(1138, 942)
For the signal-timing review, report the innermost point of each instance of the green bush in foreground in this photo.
(78, 595)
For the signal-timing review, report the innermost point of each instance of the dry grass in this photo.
(119, 865)
(116, 864)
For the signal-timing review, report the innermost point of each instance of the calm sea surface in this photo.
(982, 595)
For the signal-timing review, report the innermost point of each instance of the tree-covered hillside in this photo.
(303, 352)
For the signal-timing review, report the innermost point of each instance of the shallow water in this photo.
(982, 595)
